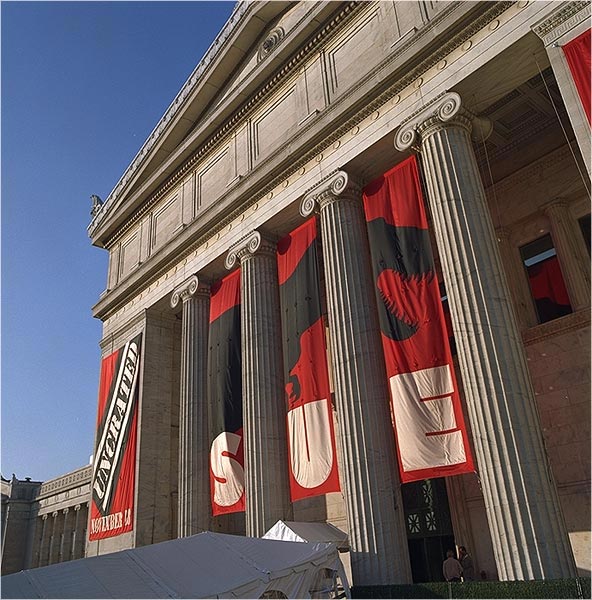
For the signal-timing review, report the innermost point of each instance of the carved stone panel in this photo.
(188, 200)
(212, 177)
(165, 220)
(357, 50)
(113, 266)
(130, 254)
(275, 122)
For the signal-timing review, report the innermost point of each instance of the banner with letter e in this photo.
(429, 425)
(114, 468)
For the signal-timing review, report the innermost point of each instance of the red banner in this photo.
(577, 54)
(227, 480)
(113, 483)
(311, 437)
(429, 425)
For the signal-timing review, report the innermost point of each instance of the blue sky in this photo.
(83, 85)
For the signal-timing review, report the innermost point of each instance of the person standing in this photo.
(466, 563)
(451, 567)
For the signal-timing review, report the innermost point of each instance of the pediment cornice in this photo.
(245, 26)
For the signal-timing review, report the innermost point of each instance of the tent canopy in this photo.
(207, 565)
(298, 531)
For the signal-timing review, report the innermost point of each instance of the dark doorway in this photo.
(429, 527)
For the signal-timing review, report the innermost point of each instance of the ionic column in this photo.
(571, 252)
(517, 280)
(52, 540)
(64, 543)
(527, 528)
(375, 515)
(264, 406)
(77, 534)
(42, 542)
(194, 478)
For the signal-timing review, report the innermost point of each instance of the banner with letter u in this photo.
(430, 431)
(311, 438)
(113, 481)
(227, 480)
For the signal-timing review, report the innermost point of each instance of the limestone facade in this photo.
(44, 523)
(290, 99)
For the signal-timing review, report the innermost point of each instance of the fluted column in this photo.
(517, 279)
(267, 491)
(375, 515)
(81, 547)
(528, 532)
(64, 541)
(77, 534)
(194, 476)
(571, 252)
(42, 542)
(52, 540)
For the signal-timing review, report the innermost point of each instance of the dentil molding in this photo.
(564, 18)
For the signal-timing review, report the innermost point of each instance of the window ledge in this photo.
(558, 326)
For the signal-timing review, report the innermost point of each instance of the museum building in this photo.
(262, 350)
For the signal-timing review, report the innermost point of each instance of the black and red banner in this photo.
(227, 480)
(113, 482)
(431, 435)
(311, 438)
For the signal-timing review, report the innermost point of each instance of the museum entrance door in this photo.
(429, 527)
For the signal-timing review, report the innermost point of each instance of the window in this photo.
(545, 279)
(585, 227)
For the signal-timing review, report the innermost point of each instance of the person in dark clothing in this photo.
(467, 564)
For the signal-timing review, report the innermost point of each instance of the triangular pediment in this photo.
(251, 47)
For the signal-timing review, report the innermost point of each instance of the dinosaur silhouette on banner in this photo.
(431, 435)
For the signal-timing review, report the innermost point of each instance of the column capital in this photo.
(191, 287)
(554, 204)
(54, 514)
(444, 110)
(502, 233)
(337, 185)
(251, 244)
(77, 507)
(66, 511)
(44, 517)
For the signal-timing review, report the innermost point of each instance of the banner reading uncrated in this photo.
(311, 440)
(227, 481)
(430, 430)
(113, 482)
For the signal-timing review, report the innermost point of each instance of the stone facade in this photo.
(293, 109)
(44, 523)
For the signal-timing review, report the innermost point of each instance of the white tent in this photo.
(299, 531)
(208, 565)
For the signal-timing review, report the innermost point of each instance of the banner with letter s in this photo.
(227, 478)
(311, 438)
(430, 431)
(114, 469)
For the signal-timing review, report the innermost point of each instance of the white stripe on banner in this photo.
(427, 431)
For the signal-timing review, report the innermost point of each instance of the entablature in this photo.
(419, 47)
